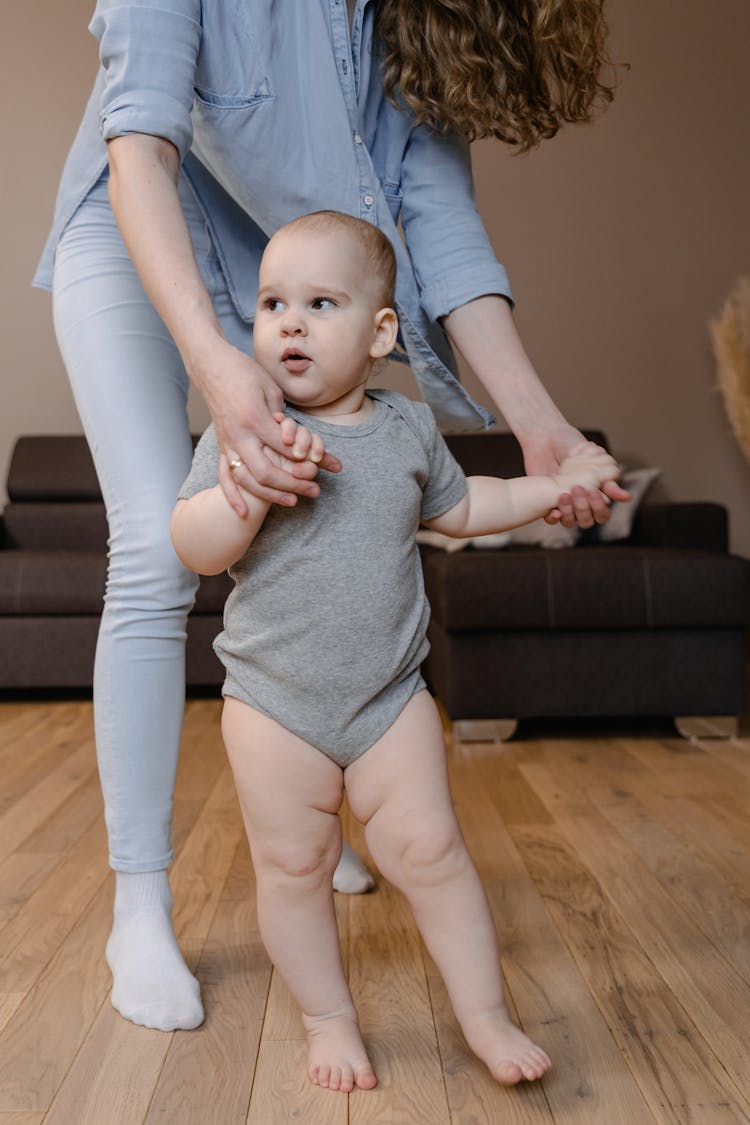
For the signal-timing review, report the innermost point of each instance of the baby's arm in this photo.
(208, 534)
(492, 504)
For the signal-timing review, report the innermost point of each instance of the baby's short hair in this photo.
(376, 246)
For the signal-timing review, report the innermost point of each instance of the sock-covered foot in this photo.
(351, 877)
(336, 1054)
(151, 984)
(510, 1055)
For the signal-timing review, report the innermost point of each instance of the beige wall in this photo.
(621, 239)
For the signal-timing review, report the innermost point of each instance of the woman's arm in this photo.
(484, 332)
(240, 394)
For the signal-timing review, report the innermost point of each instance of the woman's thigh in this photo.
(128, 379)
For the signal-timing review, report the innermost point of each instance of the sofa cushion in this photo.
(52, 467)
(51, 582)
(596, 588)
(78, 526)
(70, 582)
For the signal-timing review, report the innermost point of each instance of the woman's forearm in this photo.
(484, 332)
(143, 192)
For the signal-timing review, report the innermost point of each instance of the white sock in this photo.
(151, 984)
(351, 877)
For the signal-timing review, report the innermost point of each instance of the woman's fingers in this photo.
(254, 472)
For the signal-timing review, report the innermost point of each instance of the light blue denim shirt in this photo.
(278, 109)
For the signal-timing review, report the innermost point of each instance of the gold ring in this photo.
(235, 465)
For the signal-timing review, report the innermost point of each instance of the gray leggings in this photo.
(131, 389)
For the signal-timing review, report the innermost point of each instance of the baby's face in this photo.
(316, 321)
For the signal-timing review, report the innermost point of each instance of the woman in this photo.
(211, 124)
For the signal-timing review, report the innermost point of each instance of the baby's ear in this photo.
(385, 330)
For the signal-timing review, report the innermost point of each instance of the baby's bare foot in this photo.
(509, 1054)
(336, 1054)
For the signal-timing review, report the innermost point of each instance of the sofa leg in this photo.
(707, 726)
(483, 730)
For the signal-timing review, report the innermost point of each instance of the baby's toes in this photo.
(324, 1076)
(535, 1064)
(364, 1077)
(347, 1080)
(335, 1079)
(507, 1072)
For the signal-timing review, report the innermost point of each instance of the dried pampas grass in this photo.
(730, 333)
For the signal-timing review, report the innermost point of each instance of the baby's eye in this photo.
(273, 304)
(323, 303)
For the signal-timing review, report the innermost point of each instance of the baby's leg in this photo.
(290, 794)
(399, 790)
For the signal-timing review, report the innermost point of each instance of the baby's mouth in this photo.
(295, 360)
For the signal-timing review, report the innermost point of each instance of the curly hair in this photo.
(512, 69)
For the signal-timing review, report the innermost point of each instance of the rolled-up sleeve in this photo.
(148, 54)
(450, 251)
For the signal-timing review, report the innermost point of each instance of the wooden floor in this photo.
(618, 870)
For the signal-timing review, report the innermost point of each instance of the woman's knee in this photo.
(145, 574)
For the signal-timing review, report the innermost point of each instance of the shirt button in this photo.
(357, 139)
(368, 201)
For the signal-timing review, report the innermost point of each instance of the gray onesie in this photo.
(325, 629)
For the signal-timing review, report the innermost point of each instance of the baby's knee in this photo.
(432, 854)
(303, 862)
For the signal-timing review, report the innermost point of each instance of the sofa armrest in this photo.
(695, 524)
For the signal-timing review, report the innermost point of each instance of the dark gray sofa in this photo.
(652, 626)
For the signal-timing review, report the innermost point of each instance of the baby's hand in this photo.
(305, 445)
(588, 466)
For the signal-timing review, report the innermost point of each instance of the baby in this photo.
(323, 638)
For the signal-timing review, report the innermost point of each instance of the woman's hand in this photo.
(247, 411)
(543, 455)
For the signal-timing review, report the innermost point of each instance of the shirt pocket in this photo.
(213, 101)
(231, 70)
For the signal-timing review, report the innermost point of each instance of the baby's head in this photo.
(324, 312)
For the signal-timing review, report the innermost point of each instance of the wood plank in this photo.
(25, 726)
(556, 1008)
(208, 1073)
(43, 1037)
(36, 931)
(684, 875)
(23, 871)
(388, 982)
(687, 770)
(21, 1118)
(697, 827)
(112, 1076)
(39, 1043)
(283, 1093)
(202, 866)
(679, 1076)
(27, 813)
(473, 1095)
(731, 752)
(712, 993)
